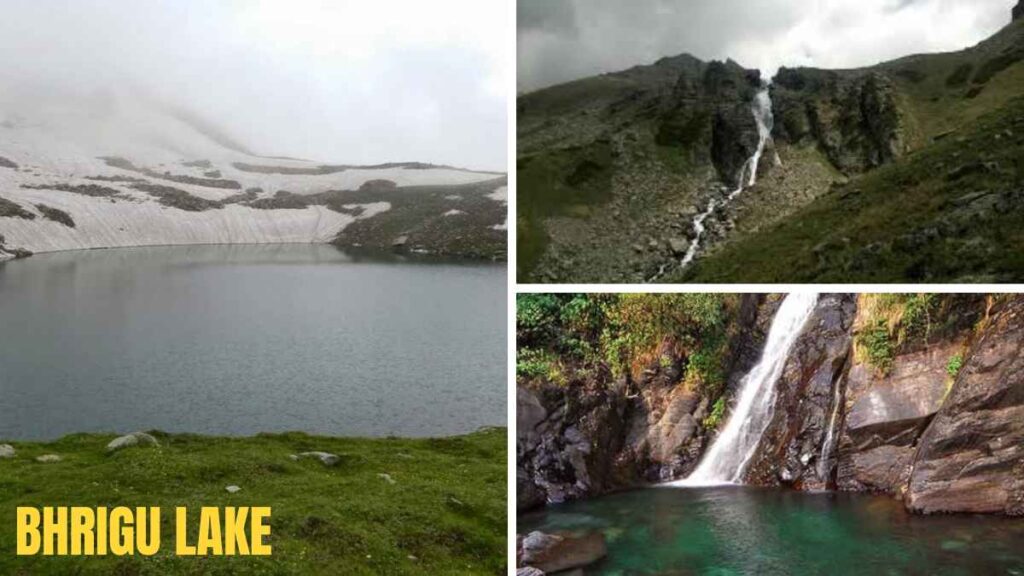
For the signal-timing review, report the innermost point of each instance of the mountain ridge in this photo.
(114, 172)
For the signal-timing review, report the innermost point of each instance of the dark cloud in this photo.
(560, 40)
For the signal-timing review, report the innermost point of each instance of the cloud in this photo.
(343, 81)
(561, 40)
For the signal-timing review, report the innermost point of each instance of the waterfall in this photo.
(826, 446)
(762, 110)
(726, 460)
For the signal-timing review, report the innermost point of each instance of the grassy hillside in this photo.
(444, 513)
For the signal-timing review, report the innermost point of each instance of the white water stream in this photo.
(826, 446)
(727, 459)
(762, 110)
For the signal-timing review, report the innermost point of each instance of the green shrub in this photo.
(712, 420)
(585, 333)
(879, 347)
(532, 363)
(953, 366)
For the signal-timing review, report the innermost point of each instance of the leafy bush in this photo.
(585, 333)
(953, 366)
(878, 346)
(713, 419)
(889, 322)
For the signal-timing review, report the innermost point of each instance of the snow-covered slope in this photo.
(127, 172)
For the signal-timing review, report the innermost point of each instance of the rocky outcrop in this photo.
(886, 414)
(971, 457)
(710, 119)
(1018, 10)
(604, 434)
(790, 452)
(853, 117)
(551, 553)
(557, 457)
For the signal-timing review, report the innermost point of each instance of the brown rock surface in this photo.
(971, 457)
(790, 449)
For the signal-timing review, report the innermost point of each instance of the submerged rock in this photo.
(133, 439)
(555, 553)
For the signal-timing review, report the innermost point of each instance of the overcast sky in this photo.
(561, 40)
(349, 81)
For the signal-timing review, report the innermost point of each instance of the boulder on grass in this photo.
(133, 439)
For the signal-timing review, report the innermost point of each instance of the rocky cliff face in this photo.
(852, 116)
(791, 452)
(940, 426)
(605, 434)
(971, 457)
(1018, 10)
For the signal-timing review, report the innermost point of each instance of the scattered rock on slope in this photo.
(326, 458)
(133, 439)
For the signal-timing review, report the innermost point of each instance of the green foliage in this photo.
(893, 320)
(712, 420)
(953, 366)
(532, 363)
(878, 346)
(559, 335)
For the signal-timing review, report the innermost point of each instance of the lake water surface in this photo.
(238, 340)
(740, 531)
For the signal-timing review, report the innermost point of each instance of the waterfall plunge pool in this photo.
(739, 530)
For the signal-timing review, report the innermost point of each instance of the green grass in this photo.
(447, 507)
(557, 183)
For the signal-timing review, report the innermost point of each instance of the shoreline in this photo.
(18, 254)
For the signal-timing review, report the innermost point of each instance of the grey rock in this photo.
(7, 451)
(232, 489)
(133, 439)
(326, 458)
(48, 458)
(678, 246)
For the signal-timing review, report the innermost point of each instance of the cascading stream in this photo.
(762, 110)
(826, 446)
(727, 459)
